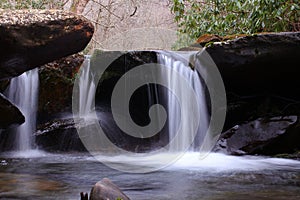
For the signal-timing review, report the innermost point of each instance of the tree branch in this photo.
(103, 6)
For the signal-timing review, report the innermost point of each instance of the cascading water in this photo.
(181, 66)
(86, 89)
(178, 63)
(23, 91)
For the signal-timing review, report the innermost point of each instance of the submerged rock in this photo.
(106, 190)
(31, 38)
(10, 115)
(268, 136)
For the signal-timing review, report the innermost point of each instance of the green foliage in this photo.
(30, 4)
(226, 17)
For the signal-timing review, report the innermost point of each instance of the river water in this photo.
(63, 176)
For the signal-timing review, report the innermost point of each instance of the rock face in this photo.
(31, 38)
(56, 86)
(10, 114)
(59, 135)
(106, 190)
(268, 136)
(260, 64)
(260, 74)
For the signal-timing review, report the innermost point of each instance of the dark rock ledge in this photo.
(260, 64)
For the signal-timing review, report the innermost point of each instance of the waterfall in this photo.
(87, 89)
(181, 66)
(23, 91)
(192, 133)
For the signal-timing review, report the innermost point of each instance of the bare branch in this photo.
(108, 10)
(135, 9)
(98, 23)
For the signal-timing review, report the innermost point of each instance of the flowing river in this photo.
(39, 175)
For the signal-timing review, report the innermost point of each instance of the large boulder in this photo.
(31, 38)
(107, 190)
(260, 74)
(10, 115)
(264, 136)
(260, 64)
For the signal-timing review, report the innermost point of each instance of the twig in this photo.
(101, 24)
(107, 9)
(135, 9)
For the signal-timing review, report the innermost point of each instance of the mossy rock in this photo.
(56, 84)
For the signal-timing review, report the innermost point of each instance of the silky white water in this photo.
(213, 162)
(87, 89)
(178, 115)
(23, 92)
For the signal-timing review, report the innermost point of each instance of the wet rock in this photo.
(59, 135)
(259, 71)
(241, 109)
(260, 74)
(10, 115)
(31, 38)
(56, 86)
(264, 136)
(260, 64)
(106, 190)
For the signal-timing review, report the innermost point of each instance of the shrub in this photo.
(226, 17)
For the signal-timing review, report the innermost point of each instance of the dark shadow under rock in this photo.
(10, 115)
